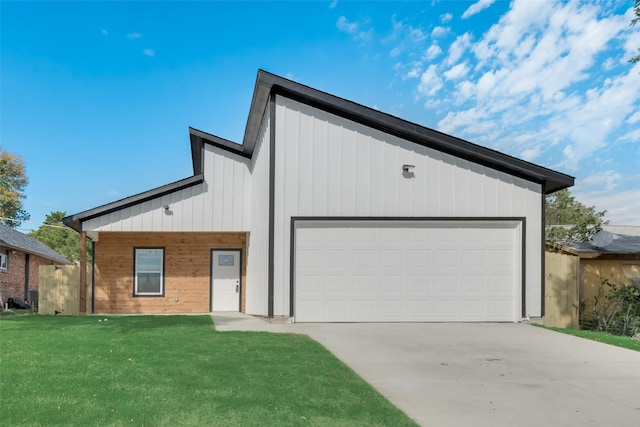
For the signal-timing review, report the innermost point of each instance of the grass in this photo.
(175, 371)
(604, 337)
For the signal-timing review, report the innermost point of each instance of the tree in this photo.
(58, 237)
(13, 180)
(634, 21)
(568, 220)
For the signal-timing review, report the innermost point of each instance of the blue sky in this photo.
(97, 97)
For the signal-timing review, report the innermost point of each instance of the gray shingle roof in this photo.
(14, 239)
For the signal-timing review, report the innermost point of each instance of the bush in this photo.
(616, 309)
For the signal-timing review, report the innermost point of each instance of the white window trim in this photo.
(136, 271)
(6, 261)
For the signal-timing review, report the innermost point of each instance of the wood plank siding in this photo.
(187, 266)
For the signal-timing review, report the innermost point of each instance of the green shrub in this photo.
(616, 309)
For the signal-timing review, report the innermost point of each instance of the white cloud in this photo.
(430, 82)
(634, 118)
(345, 26)
(104, 32)
(439, 32)
(456, 72)
(133, 36)
(531, 153)
(477, 7)
(354, 29)
(149, 52)
(458, 48)
(622, 207)
(446, 18)
(433, 51)
(606, 181)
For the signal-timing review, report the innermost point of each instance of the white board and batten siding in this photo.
(258, 239)
(221, 203)
(328, 166)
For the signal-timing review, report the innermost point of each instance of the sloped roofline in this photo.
(16, 240)
(268, 83)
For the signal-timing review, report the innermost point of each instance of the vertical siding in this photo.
(219, 204)
(258, 212)
(330, 166)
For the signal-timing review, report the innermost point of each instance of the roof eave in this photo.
(75, 221)
(268, 83)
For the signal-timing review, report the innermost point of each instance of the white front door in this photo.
(225, 280)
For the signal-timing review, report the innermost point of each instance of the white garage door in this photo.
(394, 271)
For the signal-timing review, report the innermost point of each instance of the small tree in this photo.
(568, 220)
(58, 237)
(13, 180)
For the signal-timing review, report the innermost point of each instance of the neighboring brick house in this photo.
(20, 258)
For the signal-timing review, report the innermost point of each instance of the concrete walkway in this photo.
(480, 374)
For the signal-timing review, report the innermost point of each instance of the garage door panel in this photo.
(418, 286)
(337, 286)
(310, 286)
(406, 271)
(473, 284)
(365, 309)
(393, 258)
(365, 258)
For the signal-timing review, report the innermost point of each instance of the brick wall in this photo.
(12, 280)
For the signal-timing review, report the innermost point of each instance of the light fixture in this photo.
(408, 168)
(166, 208)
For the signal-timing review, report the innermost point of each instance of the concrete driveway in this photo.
(482, 374)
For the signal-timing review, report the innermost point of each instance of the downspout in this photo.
(27, 264)
(272, 182)
(543, 249)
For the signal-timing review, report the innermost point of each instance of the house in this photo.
(576, 273)
(329, 211)
(20, 258)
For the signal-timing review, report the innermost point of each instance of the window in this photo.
(148, 272)
(3, 260)
(226, 260)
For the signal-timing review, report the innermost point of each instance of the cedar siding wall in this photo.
(187, 264)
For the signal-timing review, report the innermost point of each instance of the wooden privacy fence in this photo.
(59, 290)
(561, 288)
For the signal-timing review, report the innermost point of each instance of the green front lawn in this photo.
(175, 371)
(605, 337)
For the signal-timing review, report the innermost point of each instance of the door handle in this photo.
(236, 289)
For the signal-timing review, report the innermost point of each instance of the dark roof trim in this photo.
(267, 82)
(198, 138)
(75, 221)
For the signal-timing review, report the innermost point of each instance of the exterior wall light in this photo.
(408, 168)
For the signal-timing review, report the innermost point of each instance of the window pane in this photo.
(225, 259)
(149, 260)
(3, 261)
(148, 271)
(149, 283)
